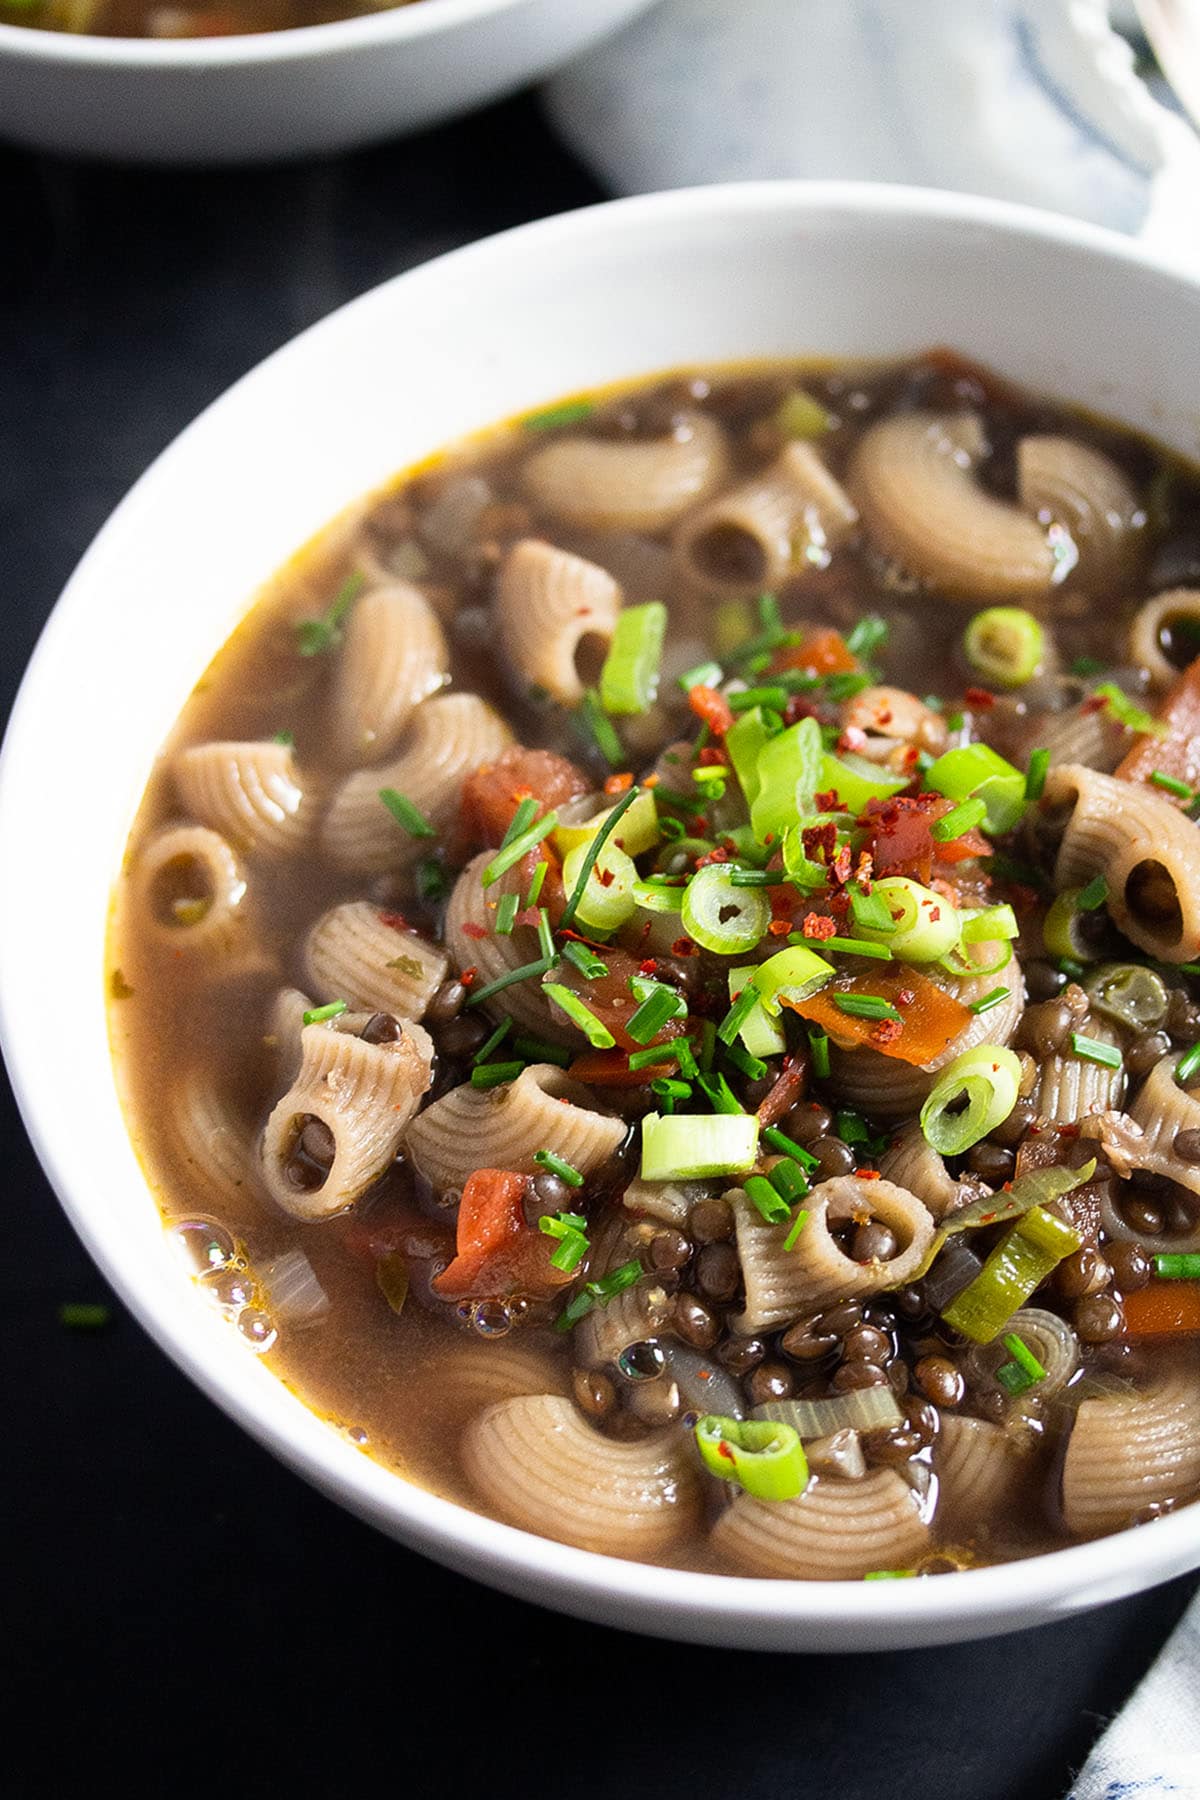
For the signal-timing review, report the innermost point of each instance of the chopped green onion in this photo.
(752, 1067)
(786, 767)
(818, 1043)
(660, 1004)
(1094, 1050)
(889, 1575)
(546, 1159)
(592, 851)
(975, 771)
(869, 635)
(409, 817)
(521, 820)
(851, 1128)
(493, 1042)
(545, 935)
(662, 896)
(598, 1293)
(490, 1075)
(1093, 896)
(789, 1180)
(693, 1146)
(685, 1057)
(761, 1035)
(84, 1315)
(553, 418)
(855, 780)
(1182, 1267)
(534, 1050)
(923, 926)
(1035, 776)
(840, 946)
(789, 975)
(317, 1015)
(570, 1251)
(432, 883)
(1188, 1065)
(1006, 645)
(971, 1096)
(1063, 931)
(667, 1088)
(315, 636)
(958, 821)
(629, 678)
(719, 1094)
(705, 674)
(526, 972)
(798, 1224)
(1084, 666)
(765, 1459)
(537, 884)
(786, 1146)
(798, 415)
(766, 1199)
(722, 918)
(506, 914)
(871, 911)
(984, 924)
(593, 1029)
(1123, 710)
(285, 738)
(595, 723)
(657, 1053)
(1014, 1379)
(865, 1006)
(844, 686)
(584, 958)
(1030, 1251)
(511, 853)
(989, 1000)
(1171, 785)
(1020, 1352)
(736, 1017)
(774, 697)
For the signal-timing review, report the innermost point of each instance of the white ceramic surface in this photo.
(285, 93)
(518, 321)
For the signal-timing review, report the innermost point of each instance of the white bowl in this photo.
(510, 324)
(285, 93)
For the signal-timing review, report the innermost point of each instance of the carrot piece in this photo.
(1178, 753)
(498, 1252)
(1164, 1309)
(610, 1068)
(492, 793)
(712, 707)
(931, 1018)
(820, 652)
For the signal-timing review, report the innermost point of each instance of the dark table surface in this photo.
(179, 1612)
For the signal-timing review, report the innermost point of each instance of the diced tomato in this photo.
(820, 652)
(498, 1251)
(492, 794)
(1178, 753)
(1164, 1309)
(611, 999)
(932, 1019)
(610, 1068)
(901, 842)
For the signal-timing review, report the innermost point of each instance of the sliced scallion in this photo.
(974, 1094)
(694, 1146)
(766, 1459)
(1006, 645)
(592, 851)
(629, 678)
(722, 918)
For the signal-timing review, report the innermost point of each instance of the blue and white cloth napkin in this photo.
(1151, 1751)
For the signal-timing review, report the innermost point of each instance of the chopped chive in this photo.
(583, 958)
(653, 1014)
(866, 1006)
(526, 972)
(1123, 710)
(668, 1088)
(738, 1013)
(752, 1067)
(537, 884)
(1035, 775)
(798, 1223)
(315, 636)
(1093, 896)
(83, 1315)
(595, 845)
(869, 635)
(757, 878)
(521, 820)
(657, 1053)
(958, 821)
(553, 418)
(432, 882)
(765, 1199)
(954, 721)
(783, 1145)
(1020, 1352)
(870, 911)
(317, 1015)
(818, 1043)
(546, 1159)
(545, 935)
(774, 697)
(1014, 1379)
(493, 1043)
(851, 1127)
(789, 1179)
(1170, 784)
(720, 1095)
(511, 853)
(671, 828)
(598, 1293)
(535, 1050)
(574, 1310)
(1180, 1267)
(989, 1000)
(685, 1056)
(594, 1030)
(506, 914)
(599, 728)
(855, 947)
(285, 738)
(705, 674)
(1187, 1065)
(889, 1575)
(568, 1255)
(490, 1075)
(410, 818)
(844, 686)
(1092, 1050)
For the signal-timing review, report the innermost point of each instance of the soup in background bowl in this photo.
(795, 610)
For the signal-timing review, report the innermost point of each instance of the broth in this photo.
(863, 625)
(190, 19)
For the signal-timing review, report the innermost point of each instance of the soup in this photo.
(655, 978)
(178, 19)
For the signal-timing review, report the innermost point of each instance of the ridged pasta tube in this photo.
(393, 656)
(365, 1094)
(618, 484)
(1144, 1141)
(1147, 850)
(1068, 1088)
(782, 1284)
(285, 1022)
(189, 890)
(211, 1145)
(1145, 633)
(980, 1469)
(500, 1128)
(910, 1161)
(886, 1088)
(450, 736)
(769, 527)
(836, 1530)
(359, 954)
(249, 792)
(1125, 1454)
(1063, 482)
(913, 480)
(473, 944)
(537, 1464)
(551, 606)
(480, 1375)
(1084, 733)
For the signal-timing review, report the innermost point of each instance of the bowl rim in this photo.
(297, 43)
(975, 1601)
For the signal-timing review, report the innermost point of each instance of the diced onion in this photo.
(862, 1409)
(296, 1296)
(981, 1087)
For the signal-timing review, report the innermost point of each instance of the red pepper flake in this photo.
(815, 926)
(471, 930)
(469, 975)
(770, 838)
(840, 867)
(827, 800)
(711, 758)
(683, 946)
(853, 738)
(780, 927)
(911, 757)
(798, 708)
(979, 697)
(905, 997)
(618, 784)
(864, 870)
(1094, 703)
(712, 708)
(716, 855)
(884, 716)
(887, 1031)
(398, 922)
(935, 913)
(649, 967)
(820, 841)
(870, 1174)
(603, 876)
